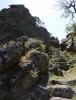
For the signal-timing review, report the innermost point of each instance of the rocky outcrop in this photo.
(17, 21)
(69, 42)
(11, 53)
(16, 73)
(23, 79)
(24, 62)
(17, 85)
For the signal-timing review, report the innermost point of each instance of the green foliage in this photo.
(74, 86)
(34, 43)
(73, 70)
(71, 28)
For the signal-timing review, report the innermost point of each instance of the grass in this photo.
(74, 86)
(54, 77)
(72, 71)
(74, 98)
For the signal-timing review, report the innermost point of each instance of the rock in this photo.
(60, 72)
(33, 43)
(63, 64)
(43, 79)
(16, 21)
(58, 98)
(42, 93)
(70, 42)
(63, 45)
(10, 55)
(21, 70)
(54, 41)
(54, 69)
(4, 92)
(71, 81)
(62, 91)
(22, 39)
(40, 61)
(21, 89)
(64, 81)
(53, 82)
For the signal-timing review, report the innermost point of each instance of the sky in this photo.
(47, 11)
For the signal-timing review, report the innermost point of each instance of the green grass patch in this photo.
(74, 98)
(72, 71)
(54, 77)
(74, 86)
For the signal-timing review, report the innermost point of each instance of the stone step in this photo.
(64, 91)
(58, 98)
(64, 81)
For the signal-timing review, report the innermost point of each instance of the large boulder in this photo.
(10, 55)
(22, 87)
(12, 76)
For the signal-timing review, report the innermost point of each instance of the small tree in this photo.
(69, 7)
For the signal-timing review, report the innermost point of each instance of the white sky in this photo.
(46, 11)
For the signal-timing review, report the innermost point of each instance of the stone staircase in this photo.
(61, 89)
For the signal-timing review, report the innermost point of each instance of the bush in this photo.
(33, 43)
